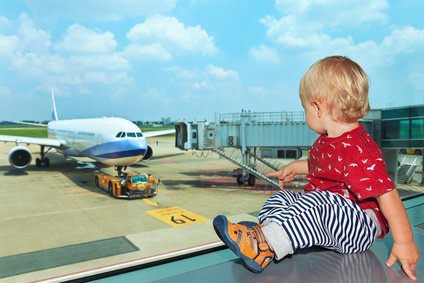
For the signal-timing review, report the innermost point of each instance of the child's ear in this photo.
(319, 107)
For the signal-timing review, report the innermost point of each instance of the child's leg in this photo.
(316, 219)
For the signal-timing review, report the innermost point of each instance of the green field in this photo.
(30, 131)
(24, 131)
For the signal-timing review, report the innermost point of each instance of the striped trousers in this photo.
(293, 220)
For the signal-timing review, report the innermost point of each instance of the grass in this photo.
(25, 132)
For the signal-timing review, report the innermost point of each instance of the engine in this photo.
(20, 157)
(149, 153)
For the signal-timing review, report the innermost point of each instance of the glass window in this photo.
(131, 135)
(139, 134)
(118, 134)
(417, 128)
(391, 129)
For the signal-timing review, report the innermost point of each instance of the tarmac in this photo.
(54, 221)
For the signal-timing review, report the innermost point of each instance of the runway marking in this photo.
(150, 202)
(177, 216)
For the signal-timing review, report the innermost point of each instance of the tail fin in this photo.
(54, 113)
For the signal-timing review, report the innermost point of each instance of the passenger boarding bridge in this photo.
(261, 135)
(248, 131)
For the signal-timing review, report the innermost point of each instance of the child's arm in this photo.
(288, 172)
(404, 248)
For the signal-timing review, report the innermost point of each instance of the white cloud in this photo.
(265, 54)
(308, 24)
(334, 12)
(8, 45)
(32, 39)
(110, 62)
(405, 39)
(79, 39)
(172, 37)
(154, 51)
(182, 73)
(221, 73)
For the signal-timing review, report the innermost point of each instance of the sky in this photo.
(193, 59)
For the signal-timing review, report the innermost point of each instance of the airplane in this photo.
(110, 140)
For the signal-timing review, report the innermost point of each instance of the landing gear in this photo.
(43, 161)
(119, 170)
(250, 180)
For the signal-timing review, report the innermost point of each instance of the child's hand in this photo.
(286, 174)
(408, 255)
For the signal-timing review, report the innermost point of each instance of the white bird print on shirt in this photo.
(379, 159)
(329, 155)
(339, 158)
(369, 188)
(359, 148)
(364, 179)
(380, 180)
(349, 137)
(364, 161)
(332, 145)
(353, 165)
(346, 144)
(371, 168)
(337, 171)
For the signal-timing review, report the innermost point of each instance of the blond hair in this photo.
(341, 84)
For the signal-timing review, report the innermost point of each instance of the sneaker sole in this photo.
(220, 224)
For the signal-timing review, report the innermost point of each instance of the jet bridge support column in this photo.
(245, 153)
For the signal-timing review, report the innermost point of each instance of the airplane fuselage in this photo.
(111, 141)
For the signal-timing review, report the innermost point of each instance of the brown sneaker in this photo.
(247, 242)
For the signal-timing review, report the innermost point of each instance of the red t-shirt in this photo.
(351, 165)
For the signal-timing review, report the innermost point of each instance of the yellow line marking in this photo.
(150, 202)
(177, 216)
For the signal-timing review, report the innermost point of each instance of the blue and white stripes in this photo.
(320, 218)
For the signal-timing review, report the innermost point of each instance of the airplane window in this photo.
(186, 80)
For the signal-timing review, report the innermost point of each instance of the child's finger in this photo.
(391, 260)
(409, 269)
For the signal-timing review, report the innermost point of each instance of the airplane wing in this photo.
(56, 143)
(158, 133)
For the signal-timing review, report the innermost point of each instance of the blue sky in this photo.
(144, 60)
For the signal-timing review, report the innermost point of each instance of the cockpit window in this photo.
(131, 135)
(118, 135)
(139, 134)
(123, 135)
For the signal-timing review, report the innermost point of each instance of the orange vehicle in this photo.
(128, 186)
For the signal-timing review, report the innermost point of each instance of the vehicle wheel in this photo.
(251, 181)
(403, 151)
(239, 179)
(96, 181)
(110, 189)
(418, 152)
